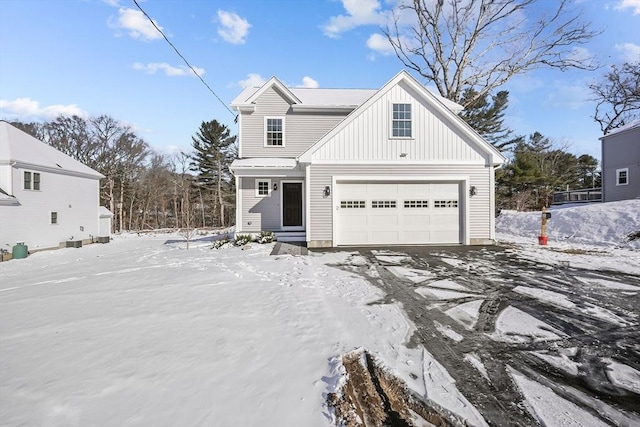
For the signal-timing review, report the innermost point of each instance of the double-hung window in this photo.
(622, 176)
(31, 181)
(274, 131)
(401, 121)
(36, 181)
(54, 217)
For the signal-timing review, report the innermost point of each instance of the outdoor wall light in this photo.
(473, 190)
(275, 186)
(327, 191)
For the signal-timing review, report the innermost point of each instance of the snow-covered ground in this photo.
(592, 236)
(142, 332)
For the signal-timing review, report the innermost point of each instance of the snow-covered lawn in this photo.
(142, 332)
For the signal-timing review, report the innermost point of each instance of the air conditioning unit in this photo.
(74, 243)
(104, 239)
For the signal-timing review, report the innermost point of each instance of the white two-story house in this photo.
(345, 167)
(46, 197)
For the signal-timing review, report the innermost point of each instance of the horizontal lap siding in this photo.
(75, 199)
(301, 129)
(322, 208)
(262, 212)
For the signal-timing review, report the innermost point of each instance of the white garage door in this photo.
(397, 213)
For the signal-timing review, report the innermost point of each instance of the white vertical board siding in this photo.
(322, 208)
(301, 129)
(368, 135)
(75, 199)
(258, 213)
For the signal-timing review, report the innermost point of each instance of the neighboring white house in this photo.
(46, 197)
(621, 163)
(339, 167)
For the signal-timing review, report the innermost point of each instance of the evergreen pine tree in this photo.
(214, 150)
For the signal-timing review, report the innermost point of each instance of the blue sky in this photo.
(92, 57)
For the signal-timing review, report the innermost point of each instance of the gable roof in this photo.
(304, 98)
(634, 124)
(434, 101)
(18, 147)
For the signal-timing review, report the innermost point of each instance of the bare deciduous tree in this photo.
(618, 96)
(481, 44)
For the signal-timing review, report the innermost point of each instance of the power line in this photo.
(184, 59)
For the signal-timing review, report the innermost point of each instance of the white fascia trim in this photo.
(245, 108)
(420, 178)
(61, 171)
(492, 204)
(239, 136)
(401, 162)
(238, 205)
(271, 173)
(323, 108)
(307, 201)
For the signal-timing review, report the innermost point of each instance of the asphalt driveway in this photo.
(484, 312)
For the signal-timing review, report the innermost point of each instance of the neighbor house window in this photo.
(31, 181)
(263, 186)
(274, 131)
(27, 180)
(401, 122)
(622, 176)
(54, 217)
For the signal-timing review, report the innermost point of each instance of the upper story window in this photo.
(274, 131)
(31, 181)
(622, 176)
(401, 122)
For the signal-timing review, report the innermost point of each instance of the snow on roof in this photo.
(104, 212)
(631, 125)
(324, 97)
(19, 146)
(265, 162)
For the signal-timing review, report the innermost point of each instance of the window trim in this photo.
(26, 181)
(410, 120)
(266, 120)
(36, 181)
(626, 174)
(257, 187)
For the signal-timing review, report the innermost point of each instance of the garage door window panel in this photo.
(353, 204)
(409, 204)
(383, 204)
(439, 204)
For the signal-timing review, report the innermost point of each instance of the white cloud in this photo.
(629, 52)
(114, 3)
(137, 25)
(233, 28)
(253, 80)
(572, 96)
(359, 12)
(169, 70)
(309, 82)
(380, 44)
(26, 107)
(629, 4)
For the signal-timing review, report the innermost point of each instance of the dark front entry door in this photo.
(292, 204)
